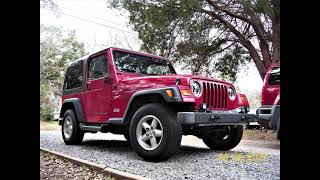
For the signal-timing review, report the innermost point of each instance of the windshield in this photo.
(275, 70)
(145, 65)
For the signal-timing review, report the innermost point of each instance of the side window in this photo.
(98, 67)
(74, 76)
(274, 78)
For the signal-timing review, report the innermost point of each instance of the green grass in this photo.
(259, 135)
(49, 126)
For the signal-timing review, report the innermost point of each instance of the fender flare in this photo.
(77, 107)
(160, 91)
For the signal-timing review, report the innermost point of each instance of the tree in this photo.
(50, 4)
(254, 99)
(56, 51)
(209, 35)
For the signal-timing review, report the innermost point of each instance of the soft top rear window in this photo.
(74, 76)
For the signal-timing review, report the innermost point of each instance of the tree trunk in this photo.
(276, 31)
(257, 60)
(265, 55)
(263, 41)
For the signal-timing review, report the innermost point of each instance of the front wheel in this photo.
(154, 132)
(126, 135)
(223, 139)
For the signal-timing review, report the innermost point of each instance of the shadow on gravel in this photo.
(200, 150)
(109, 145)
(123, 150)
(124, 146)
(190, 149)
(119, 144)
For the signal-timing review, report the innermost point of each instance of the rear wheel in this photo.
(71, 131)
(154, 132)
(223, 139)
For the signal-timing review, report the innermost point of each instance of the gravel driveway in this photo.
(249, 160)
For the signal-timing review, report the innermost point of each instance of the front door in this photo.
(98, 91)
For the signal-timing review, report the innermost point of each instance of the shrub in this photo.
(46, 113)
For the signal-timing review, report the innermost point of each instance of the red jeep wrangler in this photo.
(141, 96)
(268, 115)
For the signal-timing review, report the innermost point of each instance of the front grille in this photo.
(215, 95)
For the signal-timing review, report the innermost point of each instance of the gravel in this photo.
(53, 167)
(193, 160)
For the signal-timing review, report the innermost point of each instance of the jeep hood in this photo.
(204, 78)
(158, 81)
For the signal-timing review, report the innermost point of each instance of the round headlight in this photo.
(196, 89)
(231, 94)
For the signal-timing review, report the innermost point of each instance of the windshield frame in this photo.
(143, 55)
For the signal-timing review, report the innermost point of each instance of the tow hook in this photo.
(214, 117)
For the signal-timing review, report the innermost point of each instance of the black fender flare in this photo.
(176, 97)
(77, 108)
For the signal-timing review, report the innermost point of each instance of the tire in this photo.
(126, 135)
(75, 135)
(215, 140)
(166, 135)
(278, 130)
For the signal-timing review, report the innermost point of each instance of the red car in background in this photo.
(268, 115)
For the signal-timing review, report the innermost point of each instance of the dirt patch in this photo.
(53, 167)
(270, 135)
(49, 126)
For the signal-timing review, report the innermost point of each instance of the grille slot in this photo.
(214, 95)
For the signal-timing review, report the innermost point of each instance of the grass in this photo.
(259, 135)
(49, 126)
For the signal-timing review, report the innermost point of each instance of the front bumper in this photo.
(215, 118)
(268, 116)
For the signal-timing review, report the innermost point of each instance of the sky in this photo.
(99, 27)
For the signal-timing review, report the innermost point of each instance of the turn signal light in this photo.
(186, 92)
(169, 93)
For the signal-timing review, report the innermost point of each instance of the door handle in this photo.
(88, 85)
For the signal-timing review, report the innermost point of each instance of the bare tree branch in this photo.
(246, 43)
